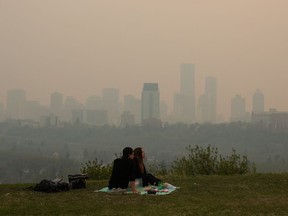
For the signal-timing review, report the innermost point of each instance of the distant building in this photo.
(184, 101)
(150, 102)
(187, 80)
(207, 105)
(238, 109)
(70, 104)
(271, 119)
(258, 101)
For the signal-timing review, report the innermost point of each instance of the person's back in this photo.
(122, 173)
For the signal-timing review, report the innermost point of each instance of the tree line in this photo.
(29, 154)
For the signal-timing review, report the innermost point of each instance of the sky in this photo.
(79, 47)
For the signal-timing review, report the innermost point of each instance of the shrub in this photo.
(233, 164)
(96, 170)
(206, 161)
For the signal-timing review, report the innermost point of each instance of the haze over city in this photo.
(80, 47)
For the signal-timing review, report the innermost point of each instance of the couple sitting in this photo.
(129, 168)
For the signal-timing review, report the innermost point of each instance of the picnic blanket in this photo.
(143, 191)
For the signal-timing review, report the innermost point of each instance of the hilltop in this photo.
(259, 194)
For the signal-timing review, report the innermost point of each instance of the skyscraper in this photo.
(238, 109)
(184, 102)
(187, 83)
(258, 101)
(150, 101)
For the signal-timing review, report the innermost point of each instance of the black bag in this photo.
(77, 181)
(49, 186)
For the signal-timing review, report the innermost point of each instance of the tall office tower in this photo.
(238, 109)
(56, 101)
(110, 97)
(207, 105)
(133, 105)
(258, 101)
(184, 102)
(16, 99)
(150, 102)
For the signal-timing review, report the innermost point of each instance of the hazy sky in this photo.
(79, 47)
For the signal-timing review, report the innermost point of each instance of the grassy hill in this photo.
(260, 194)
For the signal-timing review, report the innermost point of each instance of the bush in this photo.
(234, 164)
(96, 171)
(206, 161)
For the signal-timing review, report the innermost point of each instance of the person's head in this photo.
(139, 153)
(127, 153)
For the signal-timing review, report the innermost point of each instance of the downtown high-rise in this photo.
(150, 100)
(184, 101)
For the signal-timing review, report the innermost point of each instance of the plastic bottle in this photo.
(160, 185)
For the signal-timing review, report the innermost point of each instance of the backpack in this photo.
(49, 186)
(77, 181)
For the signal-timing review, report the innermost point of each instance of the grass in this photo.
(260, 194)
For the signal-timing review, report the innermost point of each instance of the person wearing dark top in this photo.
(123, 171)
(140, 170)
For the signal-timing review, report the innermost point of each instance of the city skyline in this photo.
(79, 48)
(111, 103)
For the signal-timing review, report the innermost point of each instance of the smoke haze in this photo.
(80, 47)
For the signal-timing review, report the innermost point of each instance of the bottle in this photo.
(160, 185)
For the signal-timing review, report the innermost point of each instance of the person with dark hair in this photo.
(123, 171)
(140, 170)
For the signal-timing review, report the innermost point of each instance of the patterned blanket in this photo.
(143, 191)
